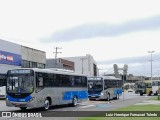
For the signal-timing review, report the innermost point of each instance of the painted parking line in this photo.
(87, 106)
(103, 106)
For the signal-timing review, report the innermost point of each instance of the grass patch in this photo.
(155, 98)
(130, 108)
(140, 108)
(120, 118)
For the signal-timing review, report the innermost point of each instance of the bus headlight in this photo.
(102, 93)
(32, 99)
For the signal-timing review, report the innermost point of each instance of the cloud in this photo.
(85, 31)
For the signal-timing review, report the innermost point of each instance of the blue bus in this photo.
(104, 87)
(32, 88)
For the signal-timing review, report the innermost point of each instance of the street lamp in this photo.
(82, 63)
(151, 61)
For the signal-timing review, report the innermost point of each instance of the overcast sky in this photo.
(112, 31)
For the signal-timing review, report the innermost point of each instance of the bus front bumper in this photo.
(20, 104)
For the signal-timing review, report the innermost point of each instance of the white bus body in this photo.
(155, 87)
(104, 87)
(43, 88)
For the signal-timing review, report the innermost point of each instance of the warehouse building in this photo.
(17, 56)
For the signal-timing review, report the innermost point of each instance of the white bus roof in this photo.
(56, 71)
(106, 77)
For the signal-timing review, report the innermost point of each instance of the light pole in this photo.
(82, 63)
(151, 61)
(124, 69)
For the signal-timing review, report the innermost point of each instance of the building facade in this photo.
(82, 64)
(60, 63)
(10, 56)
(32, 58)
(14, 56)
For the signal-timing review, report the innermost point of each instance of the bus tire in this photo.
(46, 104)
(155, 94)
(74, 101)
(23, 108)
(108, 97)
(141, 94)
(150, 93)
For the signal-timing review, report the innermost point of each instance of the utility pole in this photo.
(82, 63)
(124, 69)
(56, 52)
(151, 62)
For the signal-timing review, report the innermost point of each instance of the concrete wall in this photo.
(33, 55)
(18, 53)
(53, 63)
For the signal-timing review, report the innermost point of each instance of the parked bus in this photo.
(2, 85)
(32, 88)
(143, 87)
(104, 87)
(156, 87)
(129, 87)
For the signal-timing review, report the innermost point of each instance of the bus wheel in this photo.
(23, 108)
(74, 101)
(108, 97)
(141, 94)
(150, 93)
(46, 104)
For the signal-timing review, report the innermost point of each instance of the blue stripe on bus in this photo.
(80, 95)
(26, 99)
(119, 91)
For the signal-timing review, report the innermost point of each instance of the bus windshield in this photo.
(140, 85)
(20, 83)
(95, 84)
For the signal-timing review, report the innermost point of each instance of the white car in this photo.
(130, 90)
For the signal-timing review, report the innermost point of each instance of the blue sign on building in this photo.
(10, 58)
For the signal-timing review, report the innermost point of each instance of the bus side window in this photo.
(39, 80)
(105, 84)
(71, 80)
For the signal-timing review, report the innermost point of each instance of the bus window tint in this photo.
(71, 81)
(77, 81)
(64, 80)
(84, 81)
(59, 80)
(39, 79)
(49, 80)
